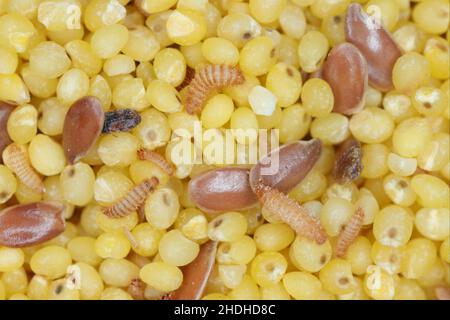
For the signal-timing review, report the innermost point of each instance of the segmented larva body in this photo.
(141, 213)
(137, 289)
(190, 75)
(208, 79)
(156, 158)
(442, 293)
(15, 157)
(350, 232)
(132, 200)
(291, 213)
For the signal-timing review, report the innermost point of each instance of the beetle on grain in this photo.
(121, 120)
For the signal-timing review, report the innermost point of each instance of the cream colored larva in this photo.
(156, 158)
(208, 79)
(16, 158)
(132, 200)
(350, 232)
(291, 213)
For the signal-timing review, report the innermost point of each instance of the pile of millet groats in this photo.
(96, 96)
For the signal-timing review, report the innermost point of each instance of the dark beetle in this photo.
(121, 120)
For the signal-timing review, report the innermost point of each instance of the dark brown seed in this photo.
(295, 160)
(376, 45)
(121, 120)
(346, 72)
(348, 164)
(196, 274)
(5, 111)
(220, 190)
(30, 224)
(82, 127)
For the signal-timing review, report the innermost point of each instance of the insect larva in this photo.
(442, 293)
(159, 160)
(16, 158)
(137, 289)
(132, 200)
(208, 79)
(350, 232)
(291, 213)
(190, 74)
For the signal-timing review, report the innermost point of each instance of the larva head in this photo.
(151, 183)
(359, 214)
(141, 154)
(261, 189)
